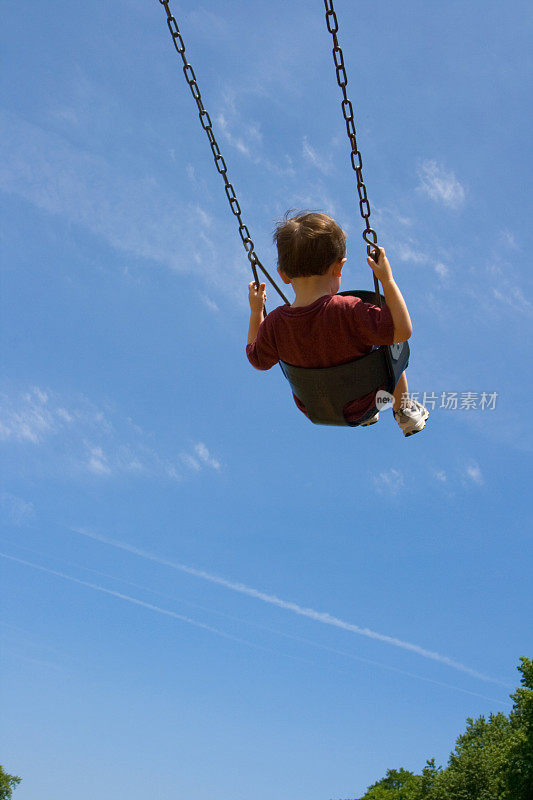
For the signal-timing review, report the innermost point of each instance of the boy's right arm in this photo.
(393, 297)
(264, 356)
(257, 299)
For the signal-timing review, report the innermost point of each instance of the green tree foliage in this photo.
(492, 760)
(519, 767)
(398, 784)
(7, 784)
(475, 768)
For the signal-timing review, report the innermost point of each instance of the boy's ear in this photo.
(283, 277)
(337, 267)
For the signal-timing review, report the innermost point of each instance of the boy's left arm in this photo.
(257, 298)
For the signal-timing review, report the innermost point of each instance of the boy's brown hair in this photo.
(308, 244)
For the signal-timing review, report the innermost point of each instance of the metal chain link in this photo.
(220, 164)
(369, 234)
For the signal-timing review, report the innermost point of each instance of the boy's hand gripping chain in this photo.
(220, 164)
(369, 234)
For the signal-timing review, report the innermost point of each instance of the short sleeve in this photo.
(263, 353)
(374, 324)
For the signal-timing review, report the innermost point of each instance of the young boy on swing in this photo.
(322, 328)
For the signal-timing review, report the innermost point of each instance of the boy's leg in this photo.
(400, 392)
(410, 415)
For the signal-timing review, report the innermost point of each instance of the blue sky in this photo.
(203, 593)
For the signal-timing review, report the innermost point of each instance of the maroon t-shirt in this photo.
(332, 330)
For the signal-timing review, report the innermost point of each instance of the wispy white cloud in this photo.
(209, 25)
(199, 185)
(441, 269)
(389, 482)
(408, 252)
(30, 418)
(76, 437)
(472, 473)
(68, 115)
(388, 217)
(204, 218)
(133, 212)
(440, 184)
(235, 141)
(320, 162)
(513, 297)
(392, 481)
(499, 289)
(205, 456)
(200, 457)
(509, 239)
(241, 133)
(246, 137)
(211, 305)
(190, 461)
(14, 510)
(98, 461)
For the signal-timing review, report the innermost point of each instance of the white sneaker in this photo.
(412, 418)
(371, 421)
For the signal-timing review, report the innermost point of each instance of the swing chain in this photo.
(220, 163)
(369, 234)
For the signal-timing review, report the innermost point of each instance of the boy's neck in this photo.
(311, 288)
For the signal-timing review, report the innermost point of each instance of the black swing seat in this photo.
(325, 391)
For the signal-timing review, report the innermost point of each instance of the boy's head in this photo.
(308, 244)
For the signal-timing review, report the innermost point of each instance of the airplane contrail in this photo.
(218, 632)
(318, 616)
(142, 603)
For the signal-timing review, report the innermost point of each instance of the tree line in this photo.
(492, 759)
